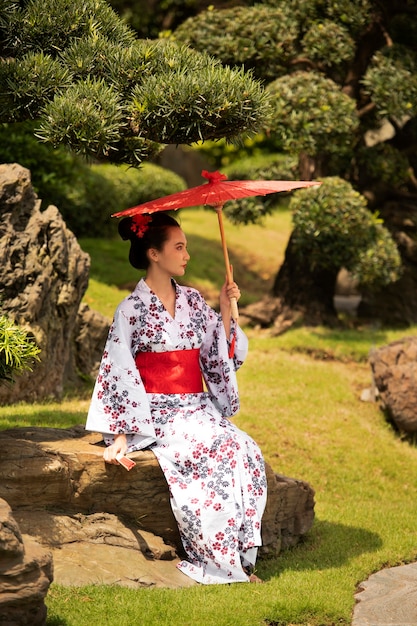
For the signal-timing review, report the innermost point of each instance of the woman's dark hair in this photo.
(154, 236)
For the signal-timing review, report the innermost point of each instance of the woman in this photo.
(164, 343)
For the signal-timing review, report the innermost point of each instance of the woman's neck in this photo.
(161, 285)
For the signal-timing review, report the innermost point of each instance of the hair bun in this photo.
(125, 229)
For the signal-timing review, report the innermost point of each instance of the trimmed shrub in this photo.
(333, 228)
(86, 195)
(111, 188)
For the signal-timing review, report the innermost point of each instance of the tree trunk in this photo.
(306, 290)
(396, 304)
(310, 167)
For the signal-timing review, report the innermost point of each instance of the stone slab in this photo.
(388, 598)
(88, 564)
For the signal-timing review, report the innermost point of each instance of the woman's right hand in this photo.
(117, 449)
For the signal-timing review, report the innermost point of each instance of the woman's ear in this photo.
(152, 254)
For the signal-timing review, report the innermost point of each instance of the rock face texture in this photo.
(90, 334)
(394, 368)
(25, 574)
(65, 497)
(43, 277)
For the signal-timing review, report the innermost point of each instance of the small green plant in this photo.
(17, 350)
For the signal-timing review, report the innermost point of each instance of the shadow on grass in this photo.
(369, 335)
(207, 264)
(38, 434)
(408, 438)
(328, 545)
(56, 621)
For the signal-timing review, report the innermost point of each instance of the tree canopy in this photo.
(95, 87)
(332, 85)
(335, 70)
(342, 76)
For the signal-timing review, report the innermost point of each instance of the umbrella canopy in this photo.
(216, 192)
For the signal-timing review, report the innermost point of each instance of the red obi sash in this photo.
(170, 372)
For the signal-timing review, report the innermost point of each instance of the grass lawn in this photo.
(300, 397)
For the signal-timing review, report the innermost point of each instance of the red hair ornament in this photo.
(140, 224)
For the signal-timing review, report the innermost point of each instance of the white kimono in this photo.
(215, 471)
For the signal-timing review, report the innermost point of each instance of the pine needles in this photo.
(18, 350)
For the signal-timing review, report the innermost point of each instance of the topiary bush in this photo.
(394, 69)
(333, 228)
(85, 194)
(355, 15)
(378, 264)
(329, 43)
(108, 189)
(82, 73)
(238, 37)
(383, 163)
(312, 115)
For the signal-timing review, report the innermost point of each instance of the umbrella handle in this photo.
(233, 301)
(235, 310)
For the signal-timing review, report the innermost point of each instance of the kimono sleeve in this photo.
(218, 368)
(119, 402)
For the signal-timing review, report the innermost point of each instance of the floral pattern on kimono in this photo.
(215, 471)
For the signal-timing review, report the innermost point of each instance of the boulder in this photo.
(65, 497)
(25, 574)
(270, 312)
(43, 276)
(90, 334)
(394, 369)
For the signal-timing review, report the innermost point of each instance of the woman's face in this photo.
(173, 257)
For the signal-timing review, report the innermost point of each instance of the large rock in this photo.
(43, 276)
(65, 496)
(90, 336)
(394, 368)
(25, 574)
(270, 312)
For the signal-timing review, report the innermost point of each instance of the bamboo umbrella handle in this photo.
(233, 301)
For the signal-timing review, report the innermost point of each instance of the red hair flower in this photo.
(213, 177)
(140, 224)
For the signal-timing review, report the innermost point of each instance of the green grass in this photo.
(343, 344)
(300, 397)
(69, 412)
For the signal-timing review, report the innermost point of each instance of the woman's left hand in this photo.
(228, 291)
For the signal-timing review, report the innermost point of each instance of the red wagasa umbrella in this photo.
(215, 193)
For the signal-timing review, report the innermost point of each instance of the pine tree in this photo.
(79, 70)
